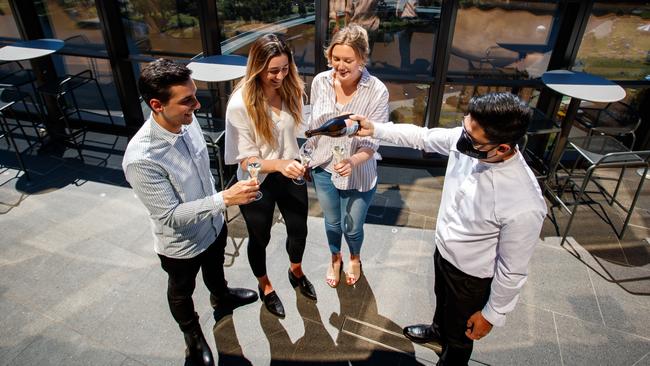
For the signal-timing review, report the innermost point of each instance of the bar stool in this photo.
(540, 125)
(13, 73)
(67, 102)
(616, 119)
(10, 98)
(600, 151)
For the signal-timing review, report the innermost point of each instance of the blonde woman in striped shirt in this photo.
(345, 189)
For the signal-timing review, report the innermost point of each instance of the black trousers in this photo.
(458, 296)
(293, 204)
(182, 280)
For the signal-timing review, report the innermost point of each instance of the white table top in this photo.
(218, 68)
(583, 86)
(28, 50)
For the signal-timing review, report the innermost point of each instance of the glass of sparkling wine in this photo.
(305, 154)
(254, 167)
(338, 153)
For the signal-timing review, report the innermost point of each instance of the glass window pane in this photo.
(616, 43)
(408, 102)
(242, 22)
(8, 28)
(501, 38)
(456, 100)
(162, 27)
(74, 21)
(402, 33)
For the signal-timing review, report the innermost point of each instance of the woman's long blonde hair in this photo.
(291, 91)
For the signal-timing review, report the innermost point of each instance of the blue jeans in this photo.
(345, 211)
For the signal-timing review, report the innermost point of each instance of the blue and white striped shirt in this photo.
(370, 100)
(170, 174)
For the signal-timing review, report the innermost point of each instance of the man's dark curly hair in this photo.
(159, 76)
(503, 116)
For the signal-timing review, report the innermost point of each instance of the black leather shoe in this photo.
(272, 303)
(233, 298)
(197, 348)
(306, 288)
(421, 333)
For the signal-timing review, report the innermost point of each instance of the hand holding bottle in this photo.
(366, 128)
(335, 127)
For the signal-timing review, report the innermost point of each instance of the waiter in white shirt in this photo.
(490, 218)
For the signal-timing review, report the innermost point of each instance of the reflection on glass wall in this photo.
(162, 27)
(76, 22)
(616, 43)
(456, 100)
(8, 28)
(401, 32)
(74, 19)
(408, 102)
(244, 21)
(503, 39)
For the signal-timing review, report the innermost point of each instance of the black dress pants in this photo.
(458, 296)
(182, 280)
(293, 204)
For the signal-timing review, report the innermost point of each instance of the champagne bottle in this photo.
(335, 127)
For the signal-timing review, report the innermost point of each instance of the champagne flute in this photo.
(253, 168)
(338, 152)
(305, 154)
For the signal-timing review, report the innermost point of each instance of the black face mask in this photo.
(465, 146)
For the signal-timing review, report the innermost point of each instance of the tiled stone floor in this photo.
(80, 284)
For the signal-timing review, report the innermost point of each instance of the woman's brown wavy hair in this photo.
(291, 91)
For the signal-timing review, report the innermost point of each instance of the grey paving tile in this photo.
(633, 279)
(396, 298)
(141, 326)
(32, 339)
(528, 338)
(622, 310)
(131, 362)
(18, 326)
(586, 343)
(558, 282)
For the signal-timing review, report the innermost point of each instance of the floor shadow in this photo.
(315, 347)
(229, 351)
(364, 336)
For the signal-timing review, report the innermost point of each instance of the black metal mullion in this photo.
(574, 15)
(444, 38)
(118, 51)
(322, 23)
(211, 43)
(210, 27)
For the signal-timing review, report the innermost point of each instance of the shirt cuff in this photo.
(219, 203)
(491, 315)
(380, 130)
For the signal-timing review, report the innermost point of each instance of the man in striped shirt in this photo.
(167, 164)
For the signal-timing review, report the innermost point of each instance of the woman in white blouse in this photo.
(262, 120)
(345, 187)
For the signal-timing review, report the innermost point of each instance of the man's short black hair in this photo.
(159, 76)
(503, 116)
